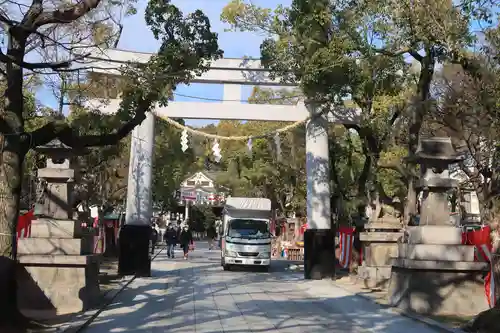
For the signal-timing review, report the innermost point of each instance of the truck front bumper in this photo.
(246, 261)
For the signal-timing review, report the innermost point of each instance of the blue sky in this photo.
(136, 36)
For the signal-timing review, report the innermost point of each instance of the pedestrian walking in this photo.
(171, 239)
(220, 232)
(211, 235)
(186, 240)
(153, 239)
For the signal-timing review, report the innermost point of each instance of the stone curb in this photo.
(427, 321)
(83, 320)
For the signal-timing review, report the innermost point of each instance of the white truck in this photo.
(246, 237)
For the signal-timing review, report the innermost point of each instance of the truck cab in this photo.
(246, 236)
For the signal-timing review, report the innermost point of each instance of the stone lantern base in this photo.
(379, 246)
(437, 275)
(58, 273)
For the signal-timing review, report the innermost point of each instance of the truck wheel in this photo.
(226, 267)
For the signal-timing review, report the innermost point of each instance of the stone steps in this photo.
(49, 228)
(54, 246)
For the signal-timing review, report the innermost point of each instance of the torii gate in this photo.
(232, 74)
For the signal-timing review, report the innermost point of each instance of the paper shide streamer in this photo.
(216, 151)
(184, 140)
(277, 142)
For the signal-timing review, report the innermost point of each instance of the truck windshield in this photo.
(243, 228)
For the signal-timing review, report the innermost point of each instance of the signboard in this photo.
(200, 196)
(188, 195)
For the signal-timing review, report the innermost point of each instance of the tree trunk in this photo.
(13, 147)
(422, 101)
(365, 176)
(10, 187)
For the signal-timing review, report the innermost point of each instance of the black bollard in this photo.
(134, 250)
(319, 254)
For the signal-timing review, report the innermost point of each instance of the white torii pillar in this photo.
(135, 235)
(140, 176)
(319, 238)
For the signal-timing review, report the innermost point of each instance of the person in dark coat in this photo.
(185, 240)
(171, 240)
(154, 239)
(211, 235)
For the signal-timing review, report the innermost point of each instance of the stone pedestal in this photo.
(379, 247)
(433, 272)
(432, 278)
(57, 272)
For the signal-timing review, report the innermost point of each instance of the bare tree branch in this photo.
(33, 13)
(416, 55)
(63, 16)
(4, 18)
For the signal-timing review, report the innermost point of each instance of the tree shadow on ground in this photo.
(200, 297)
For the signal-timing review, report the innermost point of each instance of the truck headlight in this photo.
(265, 255)
(231, 254)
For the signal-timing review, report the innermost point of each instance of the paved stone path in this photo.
(197, 296)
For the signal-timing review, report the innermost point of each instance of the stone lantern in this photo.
(58, 270)
(435, 156)
(433, 272)
(59, 178)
